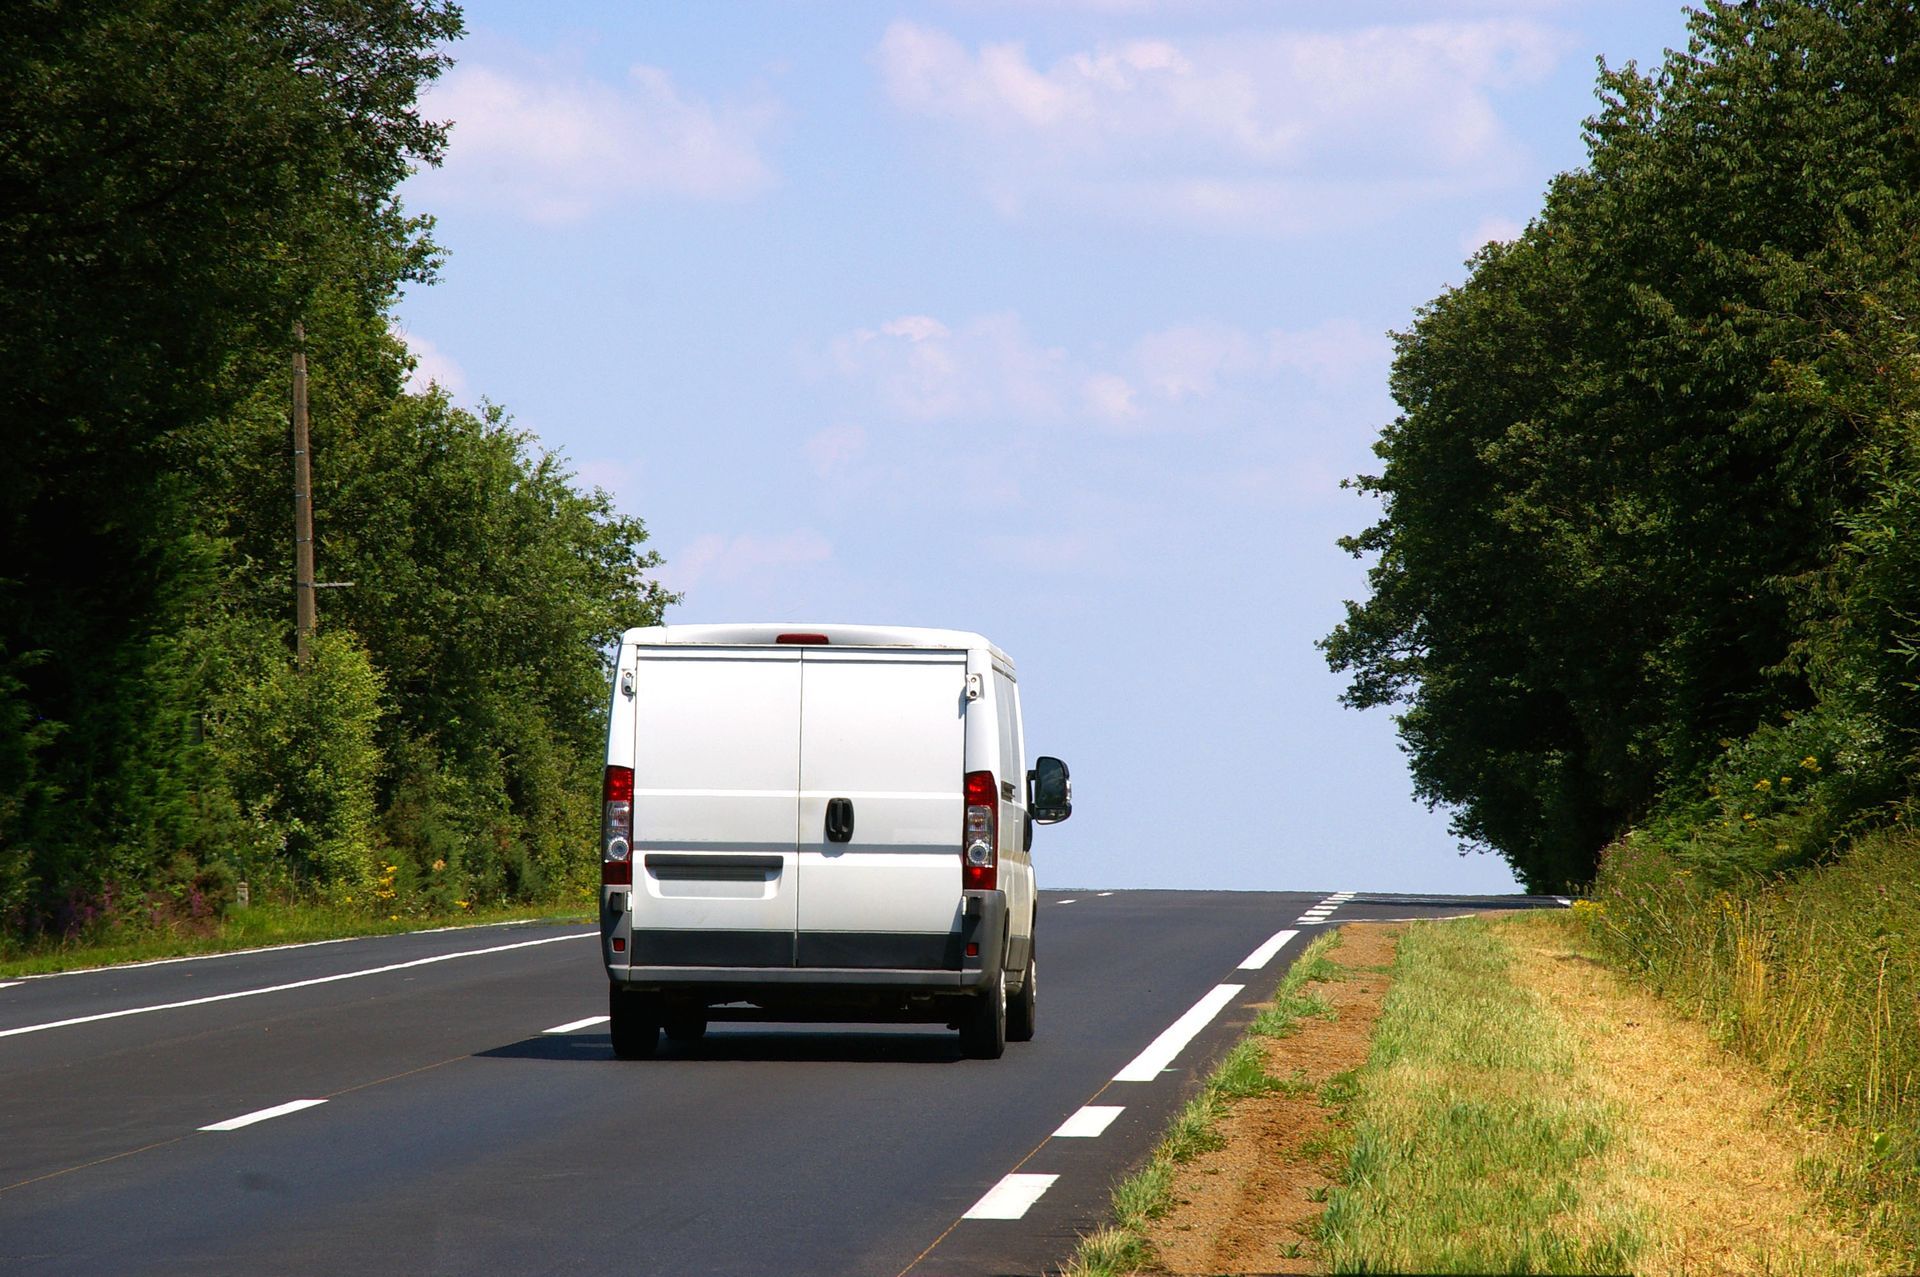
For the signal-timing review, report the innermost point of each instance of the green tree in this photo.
(179, 179)
(1620, 505)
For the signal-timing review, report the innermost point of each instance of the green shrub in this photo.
(298, 748)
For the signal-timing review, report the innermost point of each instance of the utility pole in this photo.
(303, 600)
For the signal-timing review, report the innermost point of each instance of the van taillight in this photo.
(980, 833)
(616, 828)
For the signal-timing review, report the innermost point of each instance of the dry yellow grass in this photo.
(1708, 1142)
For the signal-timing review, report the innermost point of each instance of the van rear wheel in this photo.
(983, 1031)
(633, 1020)
(684, 1027)
(1022, 1005)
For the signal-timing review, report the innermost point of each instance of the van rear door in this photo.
(883, 751)
(716, 791)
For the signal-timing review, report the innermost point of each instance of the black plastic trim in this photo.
(711, 948)
(880, 949)
(668, 866)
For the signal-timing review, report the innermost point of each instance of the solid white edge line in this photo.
(1425, 917)
(8, 984)
(1066, 902)
(261, 1115)
(1147, 1065)
(1089, 1122)
(1012, 1197)
(572, 1025)
(281, 948)
(296, 984)
(1264, 954)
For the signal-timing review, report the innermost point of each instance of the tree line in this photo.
(181, 183)
(1648, 556)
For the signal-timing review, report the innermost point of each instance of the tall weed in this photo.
(1814, 973)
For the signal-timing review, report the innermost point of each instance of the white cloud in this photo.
(558, 147)
(722, 558)
(432, 366)
(922, 370)
(1489, 229)
(1339, 350)
(1290, 130)
(989, 371)
(915, 327)
(1111, 397)
(1188, 362)
(835, 448)
(613, 475)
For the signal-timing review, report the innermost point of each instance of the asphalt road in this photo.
(456, 1133)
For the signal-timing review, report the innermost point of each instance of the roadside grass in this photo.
(1815, 976)
(1473, 1143)
(268, 924)
(1521, 1108)
(1148, 1193)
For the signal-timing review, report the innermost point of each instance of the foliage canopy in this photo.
(1649, 508)
(180, 182)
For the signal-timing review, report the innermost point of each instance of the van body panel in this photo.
(716, 791)
(885, 731)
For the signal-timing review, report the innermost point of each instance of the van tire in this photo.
(685, 1027)
(633, 1021)
(1021, 1006)
(983, 1030)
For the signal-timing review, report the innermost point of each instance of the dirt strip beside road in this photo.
(1250, 1206)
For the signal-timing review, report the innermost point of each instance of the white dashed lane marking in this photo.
(1012, 1197)
(1091, 1121)
(1264, 954)
(572, 1026)
(261, 1115)
(1148, 1065)
(1324, 910)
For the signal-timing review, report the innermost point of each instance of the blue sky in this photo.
(1060, 320)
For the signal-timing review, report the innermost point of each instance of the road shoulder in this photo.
(1662, 1149)
(1252, 1204)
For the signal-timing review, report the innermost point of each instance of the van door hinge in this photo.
(974, 691)
(626, 684)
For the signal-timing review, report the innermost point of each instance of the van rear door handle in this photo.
(839, 820)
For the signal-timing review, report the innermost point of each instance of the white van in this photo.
(821, 822)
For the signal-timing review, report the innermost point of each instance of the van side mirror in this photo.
(1049, 791)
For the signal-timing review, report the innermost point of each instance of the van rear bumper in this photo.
(861, 960)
